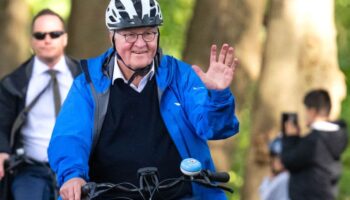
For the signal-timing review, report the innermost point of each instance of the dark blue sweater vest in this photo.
(134, 136)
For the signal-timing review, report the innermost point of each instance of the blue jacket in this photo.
(191, 113)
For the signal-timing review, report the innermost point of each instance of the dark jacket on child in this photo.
(314, 161)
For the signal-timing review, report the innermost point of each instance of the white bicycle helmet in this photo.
(122, 14)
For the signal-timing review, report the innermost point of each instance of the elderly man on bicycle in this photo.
(134, 107)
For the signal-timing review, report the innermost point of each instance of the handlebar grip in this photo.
(85, 190)
(6, 163)
(222, 177)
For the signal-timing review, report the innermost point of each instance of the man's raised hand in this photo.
(221, 70)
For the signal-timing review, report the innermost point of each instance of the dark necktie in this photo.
(56, 91)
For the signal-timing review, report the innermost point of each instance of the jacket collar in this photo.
(325, 126)
(164, 73)
(99, 76)
(73, 66)
(20, 87)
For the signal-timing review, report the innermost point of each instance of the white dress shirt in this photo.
(41, 118)
(117, 73)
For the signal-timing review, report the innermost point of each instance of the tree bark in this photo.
(88, 35)
(238, 23)
(14, 37)
(300, 55)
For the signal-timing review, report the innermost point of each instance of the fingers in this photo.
(223, 53)
(2, 173)
(213, 53)
(3, 157)
(229, 60)
(70, 193)
(226, 55)
(235, 63)
(77, 192)
(221, 70)
(66, 193)
(71, 190)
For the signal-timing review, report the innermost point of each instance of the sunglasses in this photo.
(42, 35)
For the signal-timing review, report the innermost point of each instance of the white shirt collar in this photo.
(40, 67)
(325, 126)
(117, 73)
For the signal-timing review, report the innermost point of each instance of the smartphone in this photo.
(286, 116)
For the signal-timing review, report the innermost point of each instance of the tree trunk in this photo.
(238, 23)
(88, 35)
(300, 55)
(14, 37)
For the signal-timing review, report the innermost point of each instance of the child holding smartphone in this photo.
(314, 160)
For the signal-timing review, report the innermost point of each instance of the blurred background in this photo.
(285, 48)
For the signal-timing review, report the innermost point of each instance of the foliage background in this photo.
(62, 7)
(343, 26)
(177, 15)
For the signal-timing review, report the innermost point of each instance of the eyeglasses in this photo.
(52, 34)
(146, 36)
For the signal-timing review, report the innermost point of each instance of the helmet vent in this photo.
(160, 14)
(124, 15)
(119, 5)
(115, 14)
(153, 12)
(112, 19)
(138, 8)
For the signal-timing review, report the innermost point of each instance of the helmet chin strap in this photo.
(137, 72)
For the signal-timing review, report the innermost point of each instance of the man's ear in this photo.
(65, 39)
(110, 36)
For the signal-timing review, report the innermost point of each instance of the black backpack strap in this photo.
(22, 116)
(84, 67)
(73, 66)
(100, 106)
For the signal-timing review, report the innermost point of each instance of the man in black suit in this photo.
(30, 99)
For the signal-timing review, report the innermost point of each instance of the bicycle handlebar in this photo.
(222, 177)
(191, 174)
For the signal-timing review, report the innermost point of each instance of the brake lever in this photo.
(225, 188)
(92, 193)
(206, 182)
(107, 187)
